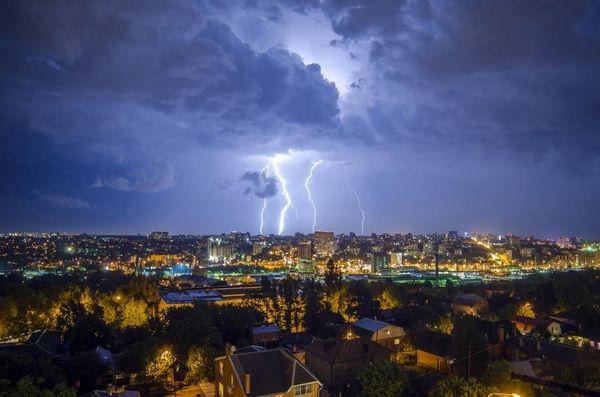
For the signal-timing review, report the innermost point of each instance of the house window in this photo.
(221, 393)
(396, 341)
(303, 390)
(221, 367)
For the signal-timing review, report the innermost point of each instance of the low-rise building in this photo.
(385, 334)
(434, 351)
(529, 324)
(263, 373)
(266, 334)
(337, 361)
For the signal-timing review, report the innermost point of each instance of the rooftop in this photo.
(271, 371)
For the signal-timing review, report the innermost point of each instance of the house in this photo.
(297, 343)
(496, 333)
(336, 361)
(529, 324)
(474, 305)
(263, 373)
(265, 335)
(37, 344)
(385, 334)
(524, 348)
(589, 337)
(434, 351)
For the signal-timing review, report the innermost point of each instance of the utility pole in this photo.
(469, 363)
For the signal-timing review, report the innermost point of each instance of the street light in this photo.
(504, 395)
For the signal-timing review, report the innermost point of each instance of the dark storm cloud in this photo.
(167, 96)
(502, 78)
(261, 185)
(163, 71)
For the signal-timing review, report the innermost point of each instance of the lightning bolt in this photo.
(362, 223)
(266, 170)
(306, 186)
(284, 190)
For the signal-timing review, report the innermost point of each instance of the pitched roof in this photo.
(370, 324)
(556, 352)
(265, 329)
(38, 343)
(271, 371)
(541, 322)
(346, 350)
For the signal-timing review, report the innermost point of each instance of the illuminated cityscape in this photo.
(301, 198)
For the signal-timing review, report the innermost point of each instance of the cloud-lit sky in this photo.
(127, 117)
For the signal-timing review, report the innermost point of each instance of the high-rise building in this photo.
(395, 259)
(219, 250)
(324, 243)
(305, 249)
(381, 263)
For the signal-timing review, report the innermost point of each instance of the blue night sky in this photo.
(132, 116)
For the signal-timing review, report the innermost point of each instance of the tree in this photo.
(234, 322)
(69, 313)
(201, 365)
(388, 299)
(159, 365)
(14, 366)
(333, 277)
(186, 326)
(313, 306)
(454, 386)
(362, 303)
(497, 374)
(88, 332)
(30, 387)
(469, 346)
(86, 369)
(525, 310)
(135, 314)
(382, 378)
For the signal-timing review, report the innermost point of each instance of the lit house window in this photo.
(396, 341)
(221, 393)
(221, 367)
(303, 390)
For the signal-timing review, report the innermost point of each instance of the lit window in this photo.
(221, 367)
(396, 341)
(221, 393)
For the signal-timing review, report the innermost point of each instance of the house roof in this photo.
(38, 343)
(370, 324)
(468, 300)
(346, 350)
(555, 352)
(271, 371)
(541, 322)
(189, 296)
(265, 329)
(436, 343)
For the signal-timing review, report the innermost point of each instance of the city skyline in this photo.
(204, 117)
